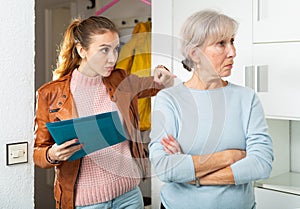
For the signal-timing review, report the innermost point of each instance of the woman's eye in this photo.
(116, 50)
(105, 50)
(221, 43)
(232, 41)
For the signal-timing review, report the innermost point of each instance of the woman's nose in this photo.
(231, 51)
(112, 57)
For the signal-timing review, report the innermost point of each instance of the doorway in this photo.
(56, 20)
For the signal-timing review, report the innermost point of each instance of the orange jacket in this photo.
(55, 102)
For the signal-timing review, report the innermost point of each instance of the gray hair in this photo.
(204, 27)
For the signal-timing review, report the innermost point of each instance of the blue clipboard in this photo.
(95, 132)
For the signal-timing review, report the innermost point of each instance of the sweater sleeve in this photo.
(169, 168)
(258, 161)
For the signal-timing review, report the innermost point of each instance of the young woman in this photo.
(209, 140)
(86, 83)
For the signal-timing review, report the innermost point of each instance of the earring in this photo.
(198, 65)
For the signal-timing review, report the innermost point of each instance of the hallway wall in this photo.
(16, 103)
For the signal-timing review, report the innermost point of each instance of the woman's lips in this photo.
(110, 69)
(229, 65)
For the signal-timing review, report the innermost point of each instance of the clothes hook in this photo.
(93, 4)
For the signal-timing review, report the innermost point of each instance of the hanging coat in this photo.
(135, 58)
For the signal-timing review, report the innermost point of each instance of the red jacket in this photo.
(55, 102)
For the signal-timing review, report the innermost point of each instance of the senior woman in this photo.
(209, 138)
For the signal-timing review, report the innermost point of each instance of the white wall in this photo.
(280, 133)
(16, 103)
(295, 146)
(286, 141)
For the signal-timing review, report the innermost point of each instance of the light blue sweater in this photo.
(207, 121)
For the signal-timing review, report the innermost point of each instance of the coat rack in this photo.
(113, 2)
(130, 22)
(92, 4)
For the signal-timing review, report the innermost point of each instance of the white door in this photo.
(279, 85)
(276, 21)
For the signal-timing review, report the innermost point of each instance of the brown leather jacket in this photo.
(55, 102)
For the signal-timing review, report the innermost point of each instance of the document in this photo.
(95, 132)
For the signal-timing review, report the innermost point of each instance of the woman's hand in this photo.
(234, 155)
(64, 151)
(163, 76)
(171, 146)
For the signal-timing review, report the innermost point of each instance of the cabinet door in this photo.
(278, 73)
(268, 199)
(243, 40)
(276, 20)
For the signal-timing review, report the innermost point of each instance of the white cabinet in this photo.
(277, 68)
(276, 21)
(269, 199)
(279, 192)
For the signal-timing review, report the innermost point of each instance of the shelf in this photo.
(282, 117)
(287, 182)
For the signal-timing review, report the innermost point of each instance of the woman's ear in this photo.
(195, 54)
(80, 50)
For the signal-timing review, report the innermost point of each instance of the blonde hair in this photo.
(202, 28)
(79, 31)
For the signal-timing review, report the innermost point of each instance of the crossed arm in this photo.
(212, 169)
